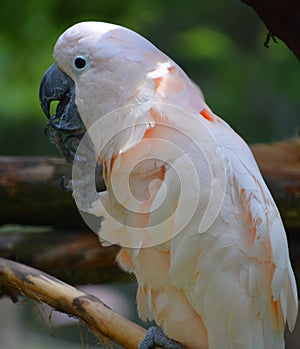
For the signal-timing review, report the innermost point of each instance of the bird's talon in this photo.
(66, 184)
(156, 338)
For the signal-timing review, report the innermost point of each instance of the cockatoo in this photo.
(185, 199)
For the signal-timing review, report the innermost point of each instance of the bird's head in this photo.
(99, 67)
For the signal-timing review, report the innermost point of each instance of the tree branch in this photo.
(95, 315)
(76, 257)
(280, 167)
(282, 19)
(30, 191)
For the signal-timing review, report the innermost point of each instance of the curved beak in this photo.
(65, 127)
(57, 86)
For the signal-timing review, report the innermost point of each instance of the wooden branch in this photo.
(282, 19)
(280, 166)
(99, 319)
(76, 257)
(30, 191)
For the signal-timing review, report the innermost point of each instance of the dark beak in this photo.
(57, 86)
(65, 127)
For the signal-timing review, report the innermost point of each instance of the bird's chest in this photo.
(159, 300)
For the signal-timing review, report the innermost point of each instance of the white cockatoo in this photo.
(185, 199)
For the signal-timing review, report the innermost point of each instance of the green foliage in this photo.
(218, 43)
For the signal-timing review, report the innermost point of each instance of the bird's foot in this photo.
(156, 338)
(66, 184)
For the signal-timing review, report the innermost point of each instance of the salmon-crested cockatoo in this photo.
(185, 199)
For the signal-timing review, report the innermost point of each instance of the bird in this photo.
(184, 196)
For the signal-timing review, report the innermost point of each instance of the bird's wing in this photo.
(237, 275)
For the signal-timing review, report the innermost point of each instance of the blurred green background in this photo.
(219, 43)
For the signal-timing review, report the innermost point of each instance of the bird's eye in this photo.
(80, 63)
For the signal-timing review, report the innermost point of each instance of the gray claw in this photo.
(66, 184)
(156, 338)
